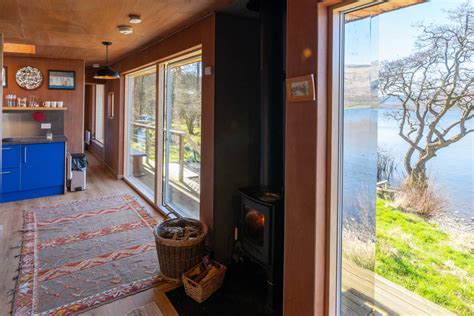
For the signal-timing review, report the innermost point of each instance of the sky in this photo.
(392, 35)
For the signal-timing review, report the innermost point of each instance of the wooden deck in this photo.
(367, 293)
(184, 194)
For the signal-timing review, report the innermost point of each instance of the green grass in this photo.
(424, 259)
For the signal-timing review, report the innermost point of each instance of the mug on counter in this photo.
(47, 104)
(54, 104)
(60, 104)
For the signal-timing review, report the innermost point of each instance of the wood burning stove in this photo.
(261, 237)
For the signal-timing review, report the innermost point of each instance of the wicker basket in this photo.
(201, 291)
(178, 256)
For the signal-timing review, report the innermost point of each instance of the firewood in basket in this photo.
(210, 273)
(201, 276)
(195, 272)
(170, 232)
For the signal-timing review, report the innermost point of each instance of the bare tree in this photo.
(436, 80)
(187, 95)
(386, 165)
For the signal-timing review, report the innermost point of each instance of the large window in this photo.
(403, 158)
(140, 162)
(181, 130)
(99, 113)
(163, 129)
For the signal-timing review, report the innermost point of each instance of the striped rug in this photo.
(79, 255)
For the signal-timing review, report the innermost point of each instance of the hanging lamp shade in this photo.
(106, 72)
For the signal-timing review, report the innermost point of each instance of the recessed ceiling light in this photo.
(95, 65)
(125, 29)
(134, 19)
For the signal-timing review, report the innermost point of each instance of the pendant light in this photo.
(106, 72)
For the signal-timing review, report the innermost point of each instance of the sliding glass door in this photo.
(140, 162)
(163, 133)
(181, 132)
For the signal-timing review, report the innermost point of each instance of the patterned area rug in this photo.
(83, 254)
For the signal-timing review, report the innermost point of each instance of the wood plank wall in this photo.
(73, 99)
(306, 165)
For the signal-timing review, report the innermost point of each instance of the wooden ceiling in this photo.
(383, 7)
(74, 29)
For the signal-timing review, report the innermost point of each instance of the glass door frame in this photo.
(336, 107)
(162, 95)
(157, 199)
(127, 103)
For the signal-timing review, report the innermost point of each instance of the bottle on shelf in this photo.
(11, 100)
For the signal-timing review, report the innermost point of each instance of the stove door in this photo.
(255, 228)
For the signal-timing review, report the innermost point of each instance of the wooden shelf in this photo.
(41, 108)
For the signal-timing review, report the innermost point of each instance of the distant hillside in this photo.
(360, 85)
(361, 88)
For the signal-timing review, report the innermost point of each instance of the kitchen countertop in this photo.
(35, 140)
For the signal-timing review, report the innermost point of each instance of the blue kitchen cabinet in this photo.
(11, 156)
(10, 171)
(10, 180)
(32, 170)
(42, 166)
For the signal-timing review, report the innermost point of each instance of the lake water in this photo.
(366, 129)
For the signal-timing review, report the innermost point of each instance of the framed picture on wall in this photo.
(61, 80)
(300, 89)
(5, 76)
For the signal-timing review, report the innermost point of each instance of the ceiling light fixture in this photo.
(106, 72)
(125, 29)
(134, 19)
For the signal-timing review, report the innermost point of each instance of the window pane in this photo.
(141, 94)
(182, 136)
(359, 166)
(99, 112)
(407, 161)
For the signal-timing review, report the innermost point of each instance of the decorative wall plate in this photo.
(29, 78)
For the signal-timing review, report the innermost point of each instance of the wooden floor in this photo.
(100, 182)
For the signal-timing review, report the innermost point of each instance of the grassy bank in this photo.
(424, 259)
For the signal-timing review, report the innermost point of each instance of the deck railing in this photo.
(144, 142)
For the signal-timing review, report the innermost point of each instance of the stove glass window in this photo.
(254, 225)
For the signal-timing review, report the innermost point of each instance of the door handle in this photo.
(5, 172)
(24, 156)
(6, 148)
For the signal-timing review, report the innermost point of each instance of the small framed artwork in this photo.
(300, 89)
(61, 80)
(5, 77)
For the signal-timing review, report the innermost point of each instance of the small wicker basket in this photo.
(201, 291)
(178, 256)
